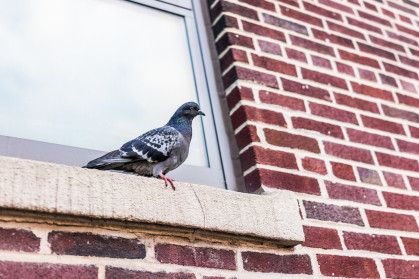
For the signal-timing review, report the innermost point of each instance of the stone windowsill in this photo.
(51, 188)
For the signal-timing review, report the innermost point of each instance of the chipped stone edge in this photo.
(59, 189)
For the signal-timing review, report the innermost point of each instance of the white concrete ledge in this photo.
(52, 188)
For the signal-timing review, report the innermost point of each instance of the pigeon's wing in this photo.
(154, 146)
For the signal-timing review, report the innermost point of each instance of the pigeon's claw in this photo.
(165, 178)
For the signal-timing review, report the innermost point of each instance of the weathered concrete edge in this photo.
(52, 188)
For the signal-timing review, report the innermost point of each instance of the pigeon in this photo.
(157, 151)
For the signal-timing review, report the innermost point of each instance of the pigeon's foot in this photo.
(161, 176)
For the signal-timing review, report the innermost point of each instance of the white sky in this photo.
(92, 73)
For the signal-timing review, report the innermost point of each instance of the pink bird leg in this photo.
(161, 176)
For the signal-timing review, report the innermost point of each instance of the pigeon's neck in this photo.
(182, 124)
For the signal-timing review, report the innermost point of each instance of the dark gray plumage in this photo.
(157, 151)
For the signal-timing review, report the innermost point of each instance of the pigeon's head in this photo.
(189, 110)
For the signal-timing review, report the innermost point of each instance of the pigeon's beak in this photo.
(201, 113)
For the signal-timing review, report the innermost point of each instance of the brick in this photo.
(363, 25)
(408, 86)
(285, 139)
(384, 43)
(195, 256)
(374, 18)
(348, 152)
(343, 171)
(408, 147)
(397, 162)
(401, 269)
(274, 65)
(301, 16)
(399, 113)
(408, 61)
(400, 71)
(414, 52)
(414, 131)
(401, 8)
(411, 245)
(246, 136)
(369, 176)
(372, 91)
(305, 90)
(296, 55)
(337, 6)
(323, 12)
(330, 38)
(407, 30)
(383, 125)
(342, 266)
(259, 155)
(239, 10)
(321, 62)
(215, 277)
(314, 165)
(363, 60)
(391, 221)
(281, 180)
(394, 180)
(371, 242)
(232, 39)
(371, 6)
(116, 273)
(231, 56)
(401, 201)
(388, 80)
(344, 30)
(265, 262)
(414, 183)
(27, 270)
(248, 113)
(285, 24)
(281, 100)
(324, 78)
(356, 103)
(405, 19)
(18, 240)
(345, 69)
(388, 13)
(333, 113)
(368, 75)
(246, 74)
(261, 4)
(307, 44)
(321, 127)
(352, 193)
(376, 51)
(270, 47)
(321, 238)
(224, 22)
(263, 31)
(369, 139)
(407, 100)
(289, 2)
(238, 94)
(88, 244)
(398, 37)
(334, 213)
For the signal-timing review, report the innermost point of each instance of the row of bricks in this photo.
(231, 39)
(238, 55)
(293, 14)
(87, 244)
(327, 238)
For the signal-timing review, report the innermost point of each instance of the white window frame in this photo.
(220, 172)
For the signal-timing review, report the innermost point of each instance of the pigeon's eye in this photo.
(192, 108)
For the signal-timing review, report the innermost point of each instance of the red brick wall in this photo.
(324, 101)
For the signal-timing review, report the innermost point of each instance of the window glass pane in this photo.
(92, 73)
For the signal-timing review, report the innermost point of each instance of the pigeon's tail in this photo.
(111, 160)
